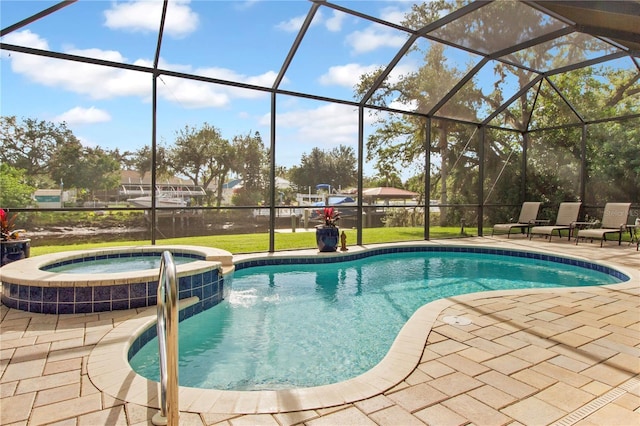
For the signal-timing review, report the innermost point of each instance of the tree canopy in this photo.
(14, 191)
(335, 167)
(457, 149)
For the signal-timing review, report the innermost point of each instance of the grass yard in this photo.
(250, 243)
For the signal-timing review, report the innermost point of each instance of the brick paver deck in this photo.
(531, 357)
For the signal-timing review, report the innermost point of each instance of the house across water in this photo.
(51, 198)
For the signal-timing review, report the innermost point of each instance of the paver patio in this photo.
(532, 357)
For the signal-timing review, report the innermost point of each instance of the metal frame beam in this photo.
(37, 16)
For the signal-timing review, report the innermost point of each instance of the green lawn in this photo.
(249, 243)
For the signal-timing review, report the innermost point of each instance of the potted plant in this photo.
(13, 246)
(327, 233)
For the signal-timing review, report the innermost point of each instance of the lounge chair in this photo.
(614, 220)
(567, 215)
(528, 214)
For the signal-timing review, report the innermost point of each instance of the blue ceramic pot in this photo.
(327, 238)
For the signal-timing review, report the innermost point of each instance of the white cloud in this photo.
(95, 81)
(345, 75)
(106, 55)
(99, 82)
(191, 94)
(197, 94)
(243, 5)
(265, 79)
(325, 126)
(374, 38)
(404, 106)
(292, 25)
(144, 16)
(79, 115)
(393, 14)
(25, 38)
(334, 23)
(402, 70)
(349, 75)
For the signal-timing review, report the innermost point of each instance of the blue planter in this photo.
(327, 238)
(12, 250)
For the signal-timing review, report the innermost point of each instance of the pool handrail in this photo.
(167, 330)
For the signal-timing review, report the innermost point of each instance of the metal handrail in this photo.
(167, 329)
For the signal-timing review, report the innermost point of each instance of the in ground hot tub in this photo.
(84, 281)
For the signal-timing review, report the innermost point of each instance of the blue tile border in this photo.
(207, 285)
(439, 249)
(89, 258)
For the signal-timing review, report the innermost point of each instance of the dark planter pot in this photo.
(12, 250)
(327, 238)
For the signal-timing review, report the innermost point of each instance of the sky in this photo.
(245, 41)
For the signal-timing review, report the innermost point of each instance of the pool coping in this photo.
(28, 271)
(109, 370)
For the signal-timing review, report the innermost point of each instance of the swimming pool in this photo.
(301, 325)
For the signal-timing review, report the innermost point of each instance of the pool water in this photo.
(120, 264)
(290, 326)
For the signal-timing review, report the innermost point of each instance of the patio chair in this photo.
(567, 215)
(528, 214)
(614, 220)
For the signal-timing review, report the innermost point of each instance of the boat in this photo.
(162, 200)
